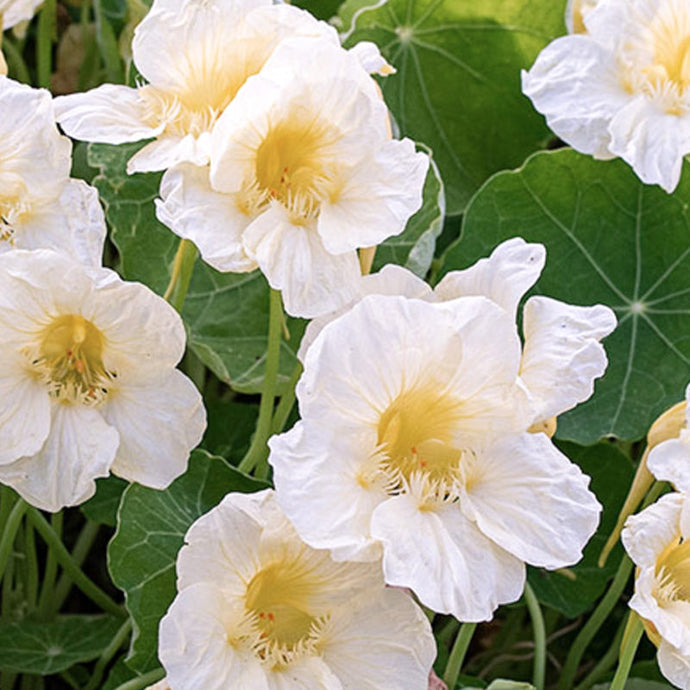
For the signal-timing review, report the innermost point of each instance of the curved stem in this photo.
(143, 681)
(50, 573)
(539, 637)
(457, 654)
(631, 639)
(108, 653)
(286, 401)
(596, 620)
(63, 557)
(258, 451)
(46, 34)
(82, 546)
(10, 532)
(183, 267)
(605, 663)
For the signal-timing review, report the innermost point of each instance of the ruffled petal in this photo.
(192, 209)
(674, 665)
(294, 260)
(670, 461)
(80, 448)
(111, 114)
(169, 150)
(444, 558)
(526, 496)
(159, 424)
(513, 267)
(562, 355)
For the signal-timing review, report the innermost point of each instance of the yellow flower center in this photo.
(673, 572)
(657, 60)
(416, 445)
(70, 360)
(282, 625)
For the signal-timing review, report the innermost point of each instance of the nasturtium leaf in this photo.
(573, 590)
(322, 9)
(45, 648)
(613, 240)
(230, 428)
(151, 529)
(414, 247)
(458, 82)
(226, 314)
(102, 507)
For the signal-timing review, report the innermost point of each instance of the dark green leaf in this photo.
(102, 508)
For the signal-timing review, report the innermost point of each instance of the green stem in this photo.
(107, 44)
(596, 620)
(457, 654)
(7, 500)
(15, 62)
(46, 35)
(143, 681)
(80, 579)
(258, 451)
(183, 267)
(10, 532)
(50, 573)
(31, 566)
(81, 549)
(604, 664)
(286, 401)
(108, 653)
(634, 632)
(539, 637)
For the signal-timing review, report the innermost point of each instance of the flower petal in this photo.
(80, 448)
(192, 209)
(169, 150)
(526, 496)
(446, 561)
(513, 267)
(674, 665)
(158, 425)
(562, 355)
(110, 113)
(670, 461)
(294, 260)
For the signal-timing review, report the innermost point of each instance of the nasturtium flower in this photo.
(14, 11)
(257, 609)
(658, 542)
(413, 447)
(561, 355)
(303, 172)
(623, 87)
(40, 206)
(195, 56)
(88, 381)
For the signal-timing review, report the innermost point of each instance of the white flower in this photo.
(622, 88)
(658, 541)
(303, 172)
(413, 445)
(40, 206)
(257, 609)
(575, 14)
(88, 381)
(14, 11)
(195, 55)
(561, 355)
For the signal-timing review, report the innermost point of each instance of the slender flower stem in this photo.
(7, 500)
(258, 450)
(605, 663)
(596, 620)
(143, 681)
(46, 598)
(539, 637)
(457, 654)
(15, 62)
(183, 267)
(108, 653)
(46, 35)
(62, 555)
(631, 639)
(107, 44)
(366, 259)
(10, 532)
(286, 401)
(31, 566)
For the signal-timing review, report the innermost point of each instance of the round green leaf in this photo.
(457, 88)
(610, 239)
(151, 529)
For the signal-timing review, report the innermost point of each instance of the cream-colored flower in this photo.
(413, 446)
(14, 11)
(40, 206)
(658, 541)
(622, 88)
(257, 609)
(303, 172)
(195, 55)
(561, 356)
(88, 381)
